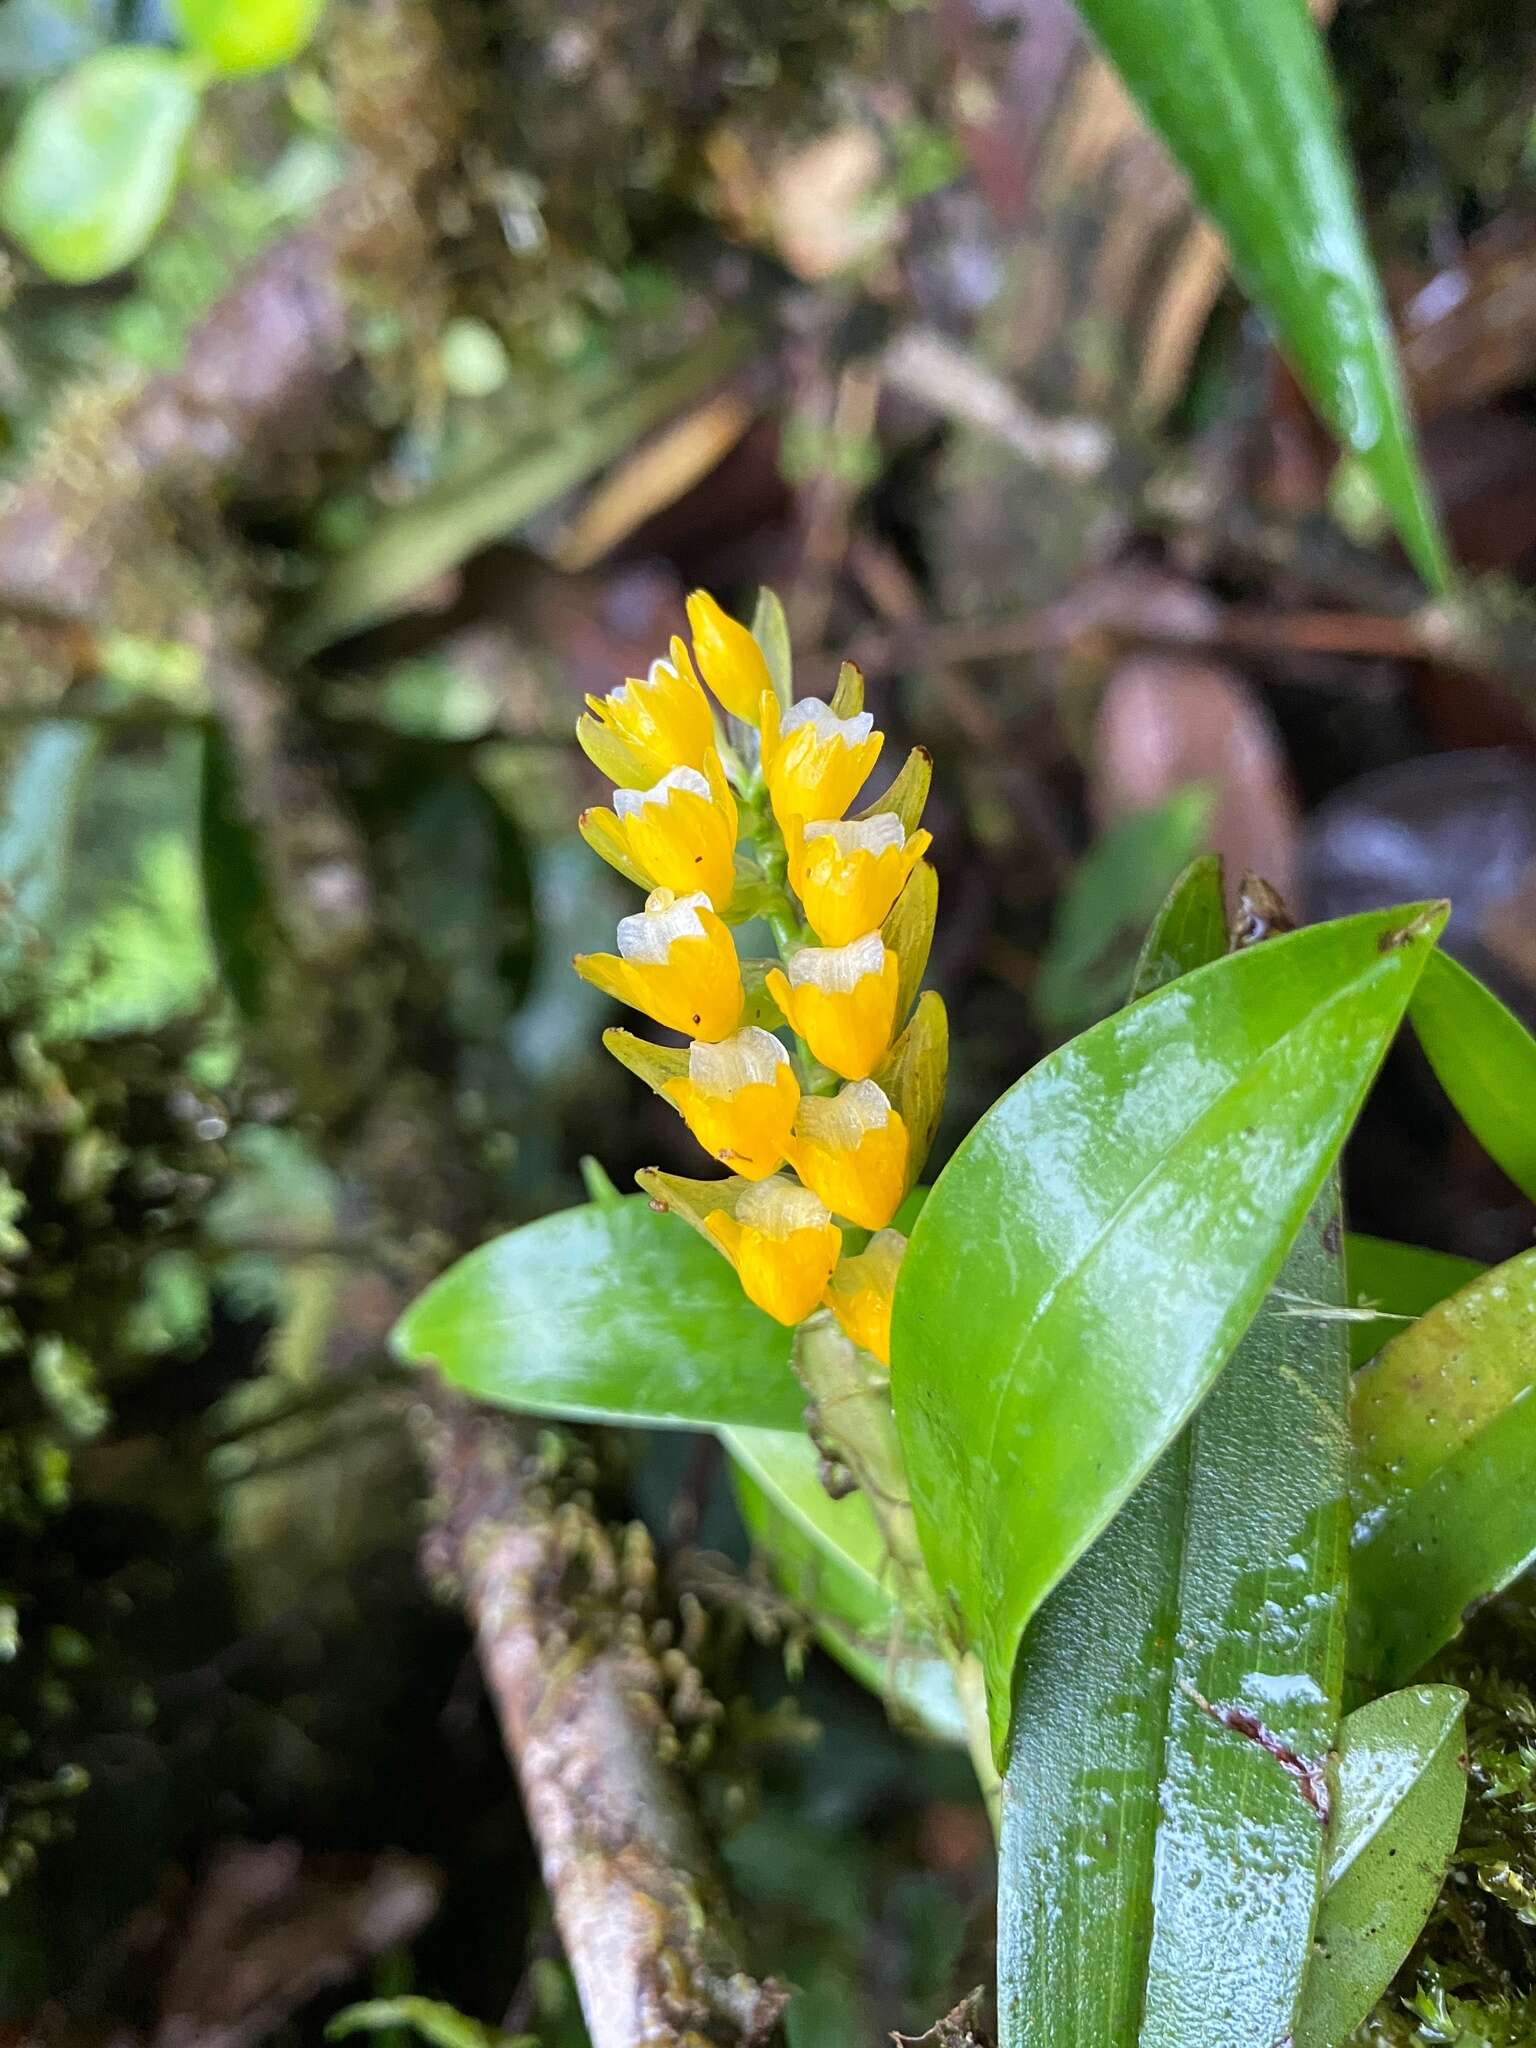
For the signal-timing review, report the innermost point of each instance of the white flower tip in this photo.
(626, 802)
(647, 936)
(883, 833)
(825, 722)
(777, 1207)
(837, 969)
(841, 1120)
(749, 1058)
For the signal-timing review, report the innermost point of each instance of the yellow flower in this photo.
(783, 1244)
(847, 875)
(678, 834)
(814, 762)
(649, 724)
(731, 659)
(862, 1289)
(842, 1001)
(739, 1101)
(851, 1149)
(676, 964)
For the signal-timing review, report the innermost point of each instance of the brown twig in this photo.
(1056, 628)
(639, 1905)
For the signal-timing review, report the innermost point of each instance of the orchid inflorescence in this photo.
(725, 821)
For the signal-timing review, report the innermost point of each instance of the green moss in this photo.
(1471, 1979)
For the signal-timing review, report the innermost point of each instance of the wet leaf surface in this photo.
(1400, 1788)
(1444, 1430)
(1067, 1301)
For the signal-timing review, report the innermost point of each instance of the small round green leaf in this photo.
(95, 161)
(241, 36)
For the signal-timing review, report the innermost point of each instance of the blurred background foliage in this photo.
(419, 358)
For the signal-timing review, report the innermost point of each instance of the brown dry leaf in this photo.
(270, 1927)
(819, 206)
(1469, 334)
(655, 476)
(1166, 721)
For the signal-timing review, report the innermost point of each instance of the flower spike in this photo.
(862, 1289)
(676, 964)
(842, 1001)
(802, 1150)
(731, 660)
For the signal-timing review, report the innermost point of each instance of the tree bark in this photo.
(637, 1899)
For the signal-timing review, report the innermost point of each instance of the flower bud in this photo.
(739, 1100)
(852, 1149)
(842, 1002)
(814, 762)
(848, 874)
(783, 1244)
(862, 1289)
(676, 964)
(730, 658)
(649, 724)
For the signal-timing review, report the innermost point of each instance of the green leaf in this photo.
(1486, 1062)
(1402, 1281)
(829, 1559)
(770, 629)
(1189, 931)
(1444, 1430)
(1161, 1861)
(241, 36)
(1092, 1253)
(1239, 90)
(605, 1314)
(1397, 1810)
(95, 161)
(443, 2025)
(45, 780)
(241, 926)
(129, 944)
(1115, 890)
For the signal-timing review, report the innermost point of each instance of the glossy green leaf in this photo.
(1402, 1281)
(605, 1314)
(95, 160)
(1161, 1866)
(241, 36)
(1239, 90)
(1090, 1256)
(1116, 889)
(1151, 1854)
(1444, 1428)
(1401, 1786)
(1189, 931)
(829, 1559)
(1485, 1060)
